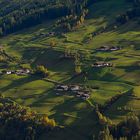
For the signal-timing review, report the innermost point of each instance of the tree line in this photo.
(20, 123)
(32, 13)
(15, 16)
(129, 129)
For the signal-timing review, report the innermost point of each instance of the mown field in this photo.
(68, 110)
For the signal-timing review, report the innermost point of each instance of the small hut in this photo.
(62, 88)
(102, 64)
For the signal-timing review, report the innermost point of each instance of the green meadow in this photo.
(68, 110)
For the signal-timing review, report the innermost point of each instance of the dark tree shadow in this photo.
(19, 82)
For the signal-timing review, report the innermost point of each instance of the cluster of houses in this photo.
(102, 64)
(67, 56)
(105, 49)
(77, 90)
(108, 48)
(83, 95)
(50, 34)
(17, 72)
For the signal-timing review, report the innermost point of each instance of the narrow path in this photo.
(52, 81)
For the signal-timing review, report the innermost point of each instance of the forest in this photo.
(19, 15)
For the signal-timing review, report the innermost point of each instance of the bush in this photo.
(41, 71)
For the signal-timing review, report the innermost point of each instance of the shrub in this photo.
(41, 71)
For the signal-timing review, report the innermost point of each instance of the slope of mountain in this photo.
(114, 91)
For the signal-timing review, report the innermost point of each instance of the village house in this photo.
(103, 48)
(83, 95)
(74, 88)
(108, 48)
(62, 88)
(115, 48)
(80, 93)
(22, 71)
(50, 34)
(47, 34)
(102, 64)
(8, 72)
(18, 72)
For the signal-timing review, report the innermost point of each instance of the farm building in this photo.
(22, 71)
(62, 88)
(115, 48)
(8, 72)
(103, 48)
(51, 33)
(74, 88)
(83, 95)
(102, 64)
(108, 48)
(18, 72)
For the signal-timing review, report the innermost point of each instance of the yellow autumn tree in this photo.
(48, 122)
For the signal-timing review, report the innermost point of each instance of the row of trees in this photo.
(72, 22)
(78, 12)
(18, 15)
(126, 130)
(129, 129)
(32, 13)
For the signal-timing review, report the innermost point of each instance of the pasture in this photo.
(38, 93)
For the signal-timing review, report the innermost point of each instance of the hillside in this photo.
(22, 122)
(16, 14)
(74, 57)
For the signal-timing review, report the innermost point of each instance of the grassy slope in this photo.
(75, 113)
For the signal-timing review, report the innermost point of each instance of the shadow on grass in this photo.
(83, 125)
(19, 82)
(43, 96)
(113, 112)
(63, 114)
(33, 53)
(130, 68)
